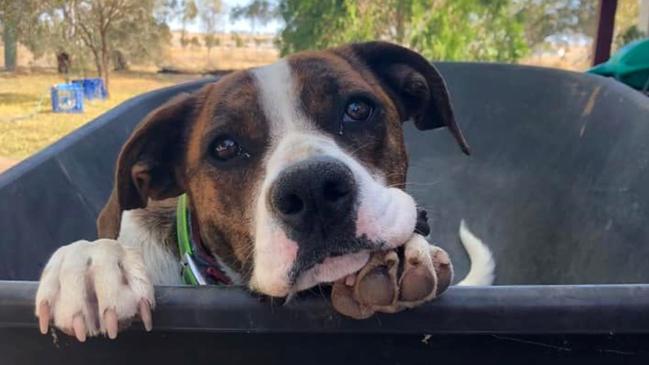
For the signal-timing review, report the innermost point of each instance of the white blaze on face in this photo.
(385, 215)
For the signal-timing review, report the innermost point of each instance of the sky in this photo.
(243, 25)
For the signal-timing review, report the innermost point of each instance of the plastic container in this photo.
(67, 98)
(92, 88)
(557, 186)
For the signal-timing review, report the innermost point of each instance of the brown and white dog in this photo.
(294, 173)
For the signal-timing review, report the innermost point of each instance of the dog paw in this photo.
(88, 288)
(427, 272)
(389, 284)
(375, 285)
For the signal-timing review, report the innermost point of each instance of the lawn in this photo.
(27, 123)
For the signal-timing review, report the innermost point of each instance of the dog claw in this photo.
(145, 315)
(43, 317)
(443, 269)
(350, 280)
(95, 288)
(110, 321)
(79, 328)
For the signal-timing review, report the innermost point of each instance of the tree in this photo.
(457, 30)
(17, 18)
(544, 18)
(105, 26)
(91, 30)
(210, 12)
(238, 40)
(210, 40)
(439, 29)
(141, 38)
(258, 12)
(9, 37)
(626, 23)
(189, 13)
(93, 22)
(185, 11)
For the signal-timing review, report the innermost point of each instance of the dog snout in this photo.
(314, 195)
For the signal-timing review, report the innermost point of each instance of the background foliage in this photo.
(468, 30)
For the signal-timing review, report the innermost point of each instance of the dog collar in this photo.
(199, 266)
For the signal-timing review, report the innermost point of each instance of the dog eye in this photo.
(357, 111)
(225, 148)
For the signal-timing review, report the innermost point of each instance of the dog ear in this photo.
(414, 84)
(148, 166)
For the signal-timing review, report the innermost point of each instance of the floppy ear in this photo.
(415, 85)
(148, 166)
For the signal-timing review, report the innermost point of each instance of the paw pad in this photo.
(387, 284)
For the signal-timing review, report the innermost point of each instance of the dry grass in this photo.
(21, 95)
(575, 58)
(233, 53)
(221, 58)
(25, 94)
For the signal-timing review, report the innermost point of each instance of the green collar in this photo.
(199, 267)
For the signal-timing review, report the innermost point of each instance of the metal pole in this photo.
(604, 38)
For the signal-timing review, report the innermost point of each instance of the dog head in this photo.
(294, 170)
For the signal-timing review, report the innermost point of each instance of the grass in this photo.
(26, 96)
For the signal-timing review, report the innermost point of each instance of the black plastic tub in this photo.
(558, 186)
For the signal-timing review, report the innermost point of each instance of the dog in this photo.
(292, 174)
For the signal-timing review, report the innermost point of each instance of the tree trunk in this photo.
(97, 58)
(400, 26)
(102, 64)
(105, 63)
(105, 71)
(10, 43)
(183, 33)
(119, 61)
(63, 62)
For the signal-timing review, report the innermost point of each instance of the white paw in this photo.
(88, 288)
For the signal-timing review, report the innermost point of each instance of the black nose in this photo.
(315, 197)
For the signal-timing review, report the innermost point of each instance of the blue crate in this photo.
(92, 88)
(67, 98)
